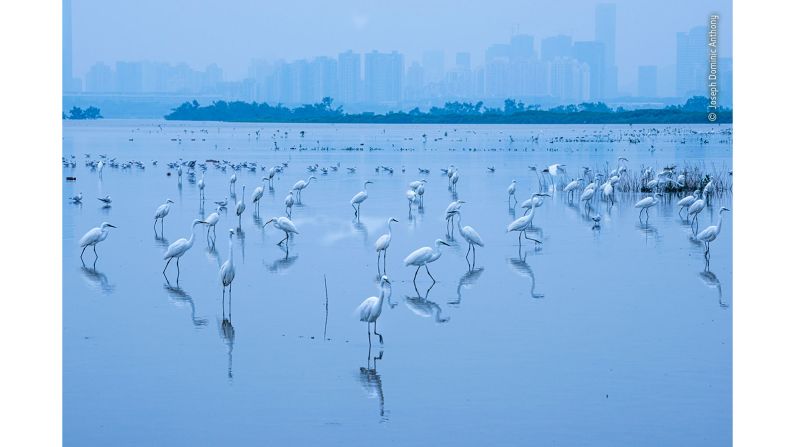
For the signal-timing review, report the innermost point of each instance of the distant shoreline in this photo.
(452, 113)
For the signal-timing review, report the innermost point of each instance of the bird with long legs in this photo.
(646, 203)
(471, 236)
(257, 195)
(284, 224)
(179, 247)
(686, 201)
(160, 213)
(240, 207)
(450, 213)
(301, 185)
(382, 243)
(694, 210)
(511, 193)
(424, 256)
(711, 233)
(227, 272)
(211, 220)
(289, 201)
(93, 237)
(370, 309)
(361, 196)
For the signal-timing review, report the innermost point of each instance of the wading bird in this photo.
(450, 213)
(300, 185)
(257, 195)
(471, 236)
(646, 203)
(211, 220)
(511, 193)
(284, 224)
(232, 182)
(93, 237)
(179, 248)
(424, 256)
(694, 210)
(687, 201)
(370, 309)
(361, 196)
(710, 233)
(77, 199)
(289, 201)
(383, 243)
(227, 272)
(161, 212)
(240, 207)
(200, 184)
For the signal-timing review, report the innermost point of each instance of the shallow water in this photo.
(603, 336)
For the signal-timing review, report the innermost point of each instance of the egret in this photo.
(421, 194)
(100, 166)
(179, 248)
(412, 198)
(271, 174)
(106, 200)
(416, 184)
(200, 184)
(687, 201)
(694, 210)
(535, 201)
(300, 185)
(258, 191)
(645, 204)
(370, 309)
(573, 186)
(511, 193)
(424, 256)
(284, 224)
(587, 195)
(161, 212)
(93, 237)
(454, 180)
(289, 201)
(451, 211)
(522, 224)
(710, 233)
(211, 220)
(241, 206)
(77, 199)
(227, 272)
(383, 243)
(232, 182)
(361, 196)
(222, 203)
(471, 236)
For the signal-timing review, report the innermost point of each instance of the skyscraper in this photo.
(554, 47)
(522, 48)
(569, 80)
(349, 77)
(692, 62)
(433, 66)
(593, 54)
(647, 81)
(463, 61)
(383, 77)
(606, 35)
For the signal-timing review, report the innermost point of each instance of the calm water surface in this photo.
(604, 336)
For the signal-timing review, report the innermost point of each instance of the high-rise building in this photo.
(569, 80)
(68, 83)
(555, 47)
(521, 48)
(349, 77)
(129, 77)
(593, 54)
(463, 61)
(606, 35)
(647, 81)
(99, 79)
(414, 81)
(323, 78)
(383, 77)
(692, 62)
(433, 66)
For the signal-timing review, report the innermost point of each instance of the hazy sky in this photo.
(231, 33)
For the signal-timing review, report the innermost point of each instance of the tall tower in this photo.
(67, 46)
(606, 35)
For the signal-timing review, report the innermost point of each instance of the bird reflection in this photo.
(467, 281)
(710, 280)
(241, 236)
(371, 382)
(522, 268)
(282, 264)
(648, 230)
(361, 229)
(212, 255)
(425, 308)
(161, 241)
(180, 296)
(97, 279)
(227, 332)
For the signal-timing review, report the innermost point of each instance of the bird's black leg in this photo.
(177, 270)
(164, 268)
(415, 275)
(378, 262)
(81, 253)
(96, 256)
(429, 273)
(468, 249)
(375, 331)
(369, 342)
(385, 261)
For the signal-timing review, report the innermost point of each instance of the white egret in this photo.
(370, 309)
(511, 193)
(289, 201)
(687, 201)
(77, 199)
(694, 210)
(300, 185)
(222, 203)
(424, 256)
(710, 233)
(200, 184)
(227, 272)
(421, 194)
(573, 186)
(240, 207)
(450, 213)
(161, 212)
(471, 236)
(361, 196)
(211, 220)
(284, 224)
(454, 180)
(383, 243)
(100, 166)
(412, 198)
(257, 195)
(416, 184)
(646, 203)
(535, 201)
(271, 174)
(93, 237)
(587, 195)
(179, 248)
(232, 182)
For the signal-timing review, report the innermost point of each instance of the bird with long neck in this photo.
(227, 271)
(370, 309)
(180, 247)
(710, 233)
(383, 243)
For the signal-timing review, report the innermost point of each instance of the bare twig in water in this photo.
(325, 324)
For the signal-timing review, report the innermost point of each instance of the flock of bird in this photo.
(585, 189)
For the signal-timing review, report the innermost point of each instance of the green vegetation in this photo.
(76, 113)
(513, 112)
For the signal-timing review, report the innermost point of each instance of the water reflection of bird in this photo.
(424, 307)
(522, 268)
(180, 296)
(282, 264)
(467, 280)
(711, 281)
(97, 279)
(371, 382)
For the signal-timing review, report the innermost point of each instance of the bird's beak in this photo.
(445, 243)
(388, 281)
(201, 221)
(113, 226)
(266, 223)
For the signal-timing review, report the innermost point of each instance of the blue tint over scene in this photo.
(616, 332)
